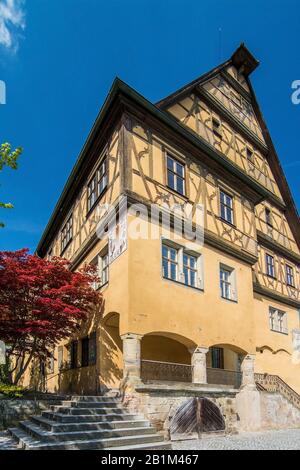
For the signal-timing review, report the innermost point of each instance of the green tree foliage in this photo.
(9, 158)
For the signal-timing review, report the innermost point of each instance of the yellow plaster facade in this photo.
(166, 318)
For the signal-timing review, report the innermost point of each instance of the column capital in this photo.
(131, 336)
(199, 350)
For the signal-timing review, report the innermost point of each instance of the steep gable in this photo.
(221, 108)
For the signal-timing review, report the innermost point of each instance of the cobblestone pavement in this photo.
(268, 440)
(6, 443)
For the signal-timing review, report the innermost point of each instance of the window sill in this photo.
(226, 222)
(198, 289)
(102, 287)
(271, 277)
(177, 193)
(95, 203)
(229, 300)
(285, 333)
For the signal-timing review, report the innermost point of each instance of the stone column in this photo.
(198, 362)
(248, 399)
(131, 359)
(248, 379)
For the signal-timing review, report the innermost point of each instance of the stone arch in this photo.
(112, 319)
(110, 352)
(224, 364)
(233, 347)
(196, 416)
(187, 342)
(166, 356)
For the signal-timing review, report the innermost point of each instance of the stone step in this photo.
(88, 411)
(92, 404)
(90, 418)
(46, 436)
(27, 442)
(55, 426)
(100, 399)
(164, 445)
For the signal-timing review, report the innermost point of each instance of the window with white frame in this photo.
(270, 265)
(226, 207)
(175, 175)
(227, 283)
(67, 233)
(278, 320)
(190, 269)
(170, 262)
(102, 263)
(290, 280)
(181, 265)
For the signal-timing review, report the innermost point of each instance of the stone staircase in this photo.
(88, 422)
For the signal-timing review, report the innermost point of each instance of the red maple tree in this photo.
(41, 303)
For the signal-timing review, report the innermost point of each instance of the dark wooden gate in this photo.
(197, 415)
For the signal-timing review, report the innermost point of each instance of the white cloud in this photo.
(12, 20)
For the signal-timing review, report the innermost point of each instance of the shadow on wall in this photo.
(107, 372)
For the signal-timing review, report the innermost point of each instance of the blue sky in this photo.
(58, 59)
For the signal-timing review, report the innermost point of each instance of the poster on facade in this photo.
(117, 238)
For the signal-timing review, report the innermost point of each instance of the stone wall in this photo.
(13, 411)
(253, 411)
(160, 403)
(277, 412)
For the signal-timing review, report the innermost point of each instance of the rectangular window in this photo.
(102, 264)
(74, 354)
(226, 207)
(268, 215)
(170, 262)
(92, 193)
(92, 349)
(50, 364)
(181, 265)
(290, 280)
(217, 358)
(85, 352)
(88, 350)
(97, 185)
(190, 270)
(175, 175)
(270, 265)
(225, 283)
(60, 357)
(278, 321)
(67, 233)
(217, 127)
